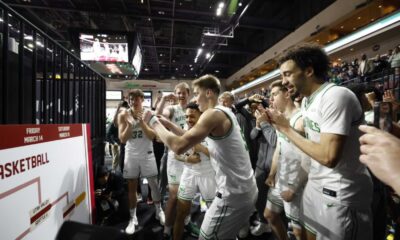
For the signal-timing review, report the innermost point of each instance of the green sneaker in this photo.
(192, 229)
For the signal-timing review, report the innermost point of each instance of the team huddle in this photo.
(316, 177)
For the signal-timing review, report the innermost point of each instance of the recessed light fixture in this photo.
(341, 27)
(380, 6)
(359, 18)
(217, 71)
(240, 4)
(146, 69)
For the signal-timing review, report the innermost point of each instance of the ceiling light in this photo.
(354, 28)
(351, 49)
(219, 12)
(203, 44)
(161, 12)
(146, 69)
(176, 69)
(341, 27)
(339, 59)
(208, 55)
(199, 51)
(190, 65)
(240, 4)
(217, 71)
(30, 45)
(149, 19)
(380, 6)
(372, 19)
(221, 5)
(317, 40)
(191, 69)
(359, 18)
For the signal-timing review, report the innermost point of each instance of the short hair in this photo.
(182, 85)
(227, 95)
(308, 55)
(136, 93)
(208, 81)
(278, 83)
(193, 106)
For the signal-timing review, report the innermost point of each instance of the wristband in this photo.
(153, 120)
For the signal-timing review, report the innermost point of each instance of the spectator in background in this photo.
(366, 68)
(395, 63)
(113, 139)
(109, 196)
(380, 64)
(265, 134)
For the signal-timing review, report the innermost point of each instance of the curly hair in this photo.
(308, 55)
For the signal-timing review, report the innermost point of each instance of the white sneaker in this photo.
(260, 229)
(244, 231)
(130, 229)
(161, 217)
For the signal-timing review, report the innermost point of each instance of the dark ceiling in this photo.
(172, 31)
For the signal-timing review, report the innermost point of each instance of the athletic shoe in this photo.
(160, 216)
(244, 231)
(260, 228)
(192, 229)
(130, 229)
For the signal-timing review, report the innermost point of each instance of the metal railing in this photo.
(41, 82)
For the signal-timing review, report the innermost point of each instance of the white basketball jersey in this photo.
(289, 172)
(234, 174)
(178, 116)
(334, 109)
(138, 145)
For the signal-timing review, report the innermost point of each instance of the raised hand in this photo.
(380, 151)
(256, 98)
(277, 119)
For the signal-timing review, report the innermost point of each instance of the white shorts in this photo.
(328, 219)
(276, 204)
(174, 169)
(226, 216)
(144, 167)
(192, 183)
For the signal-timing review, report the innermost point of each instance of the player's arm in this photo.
(161, 109)
(172, 126)
(274, 166)
(124, 127)
(180, 144)
(201, 148)
(327, 152)
(150, 133)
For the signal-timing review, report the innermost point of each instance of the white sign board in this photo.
(45, 179)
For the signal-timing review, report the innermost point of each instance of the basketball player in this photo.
(175, 113)
(236, 187)
(337, 197)
(287, 178)
(139, 156)
(198, 174)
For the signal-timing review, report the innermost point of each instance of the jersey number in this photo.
(137, 134)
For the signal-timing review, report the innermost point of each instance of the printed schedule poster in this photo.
(45, 179)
